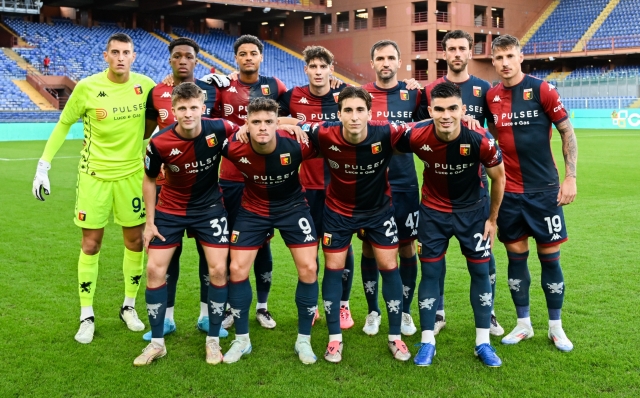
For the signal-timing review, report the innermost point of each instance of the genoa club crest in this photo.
(211, 140)
(326, 239)
(138, 89)
(285, 159)
(419, 248)
(477, 91)
(82, 215)
(265, 89)
(465, 149)
(528, 94)
(335, 96)
(376, 148)
(234, 236)
(404, 95)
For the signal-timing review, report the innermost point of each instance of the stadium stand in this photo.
(11, 97)
(598, 102)
(617, 26)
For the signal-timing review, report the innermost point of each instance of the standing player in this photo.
(272, 198)
(190, 200)
(395, 102)
(111, 105)
(457, 46)
(524, 109)
(232, 104)
(359, 199)
(183, 54)
(318, 102)
(453, 204)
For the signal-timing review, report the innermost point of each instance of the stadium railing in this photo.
(613, 44)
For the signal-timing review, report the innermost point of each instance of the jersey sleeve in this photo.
(423, 111)
(230, 127)
(397, 131)
(309, 150)
(551, 103)
(152, 161)
(404, 143)
(151, 113)
(282, 88)
(490, 153)
(283, 103)
(216, 109)
(313, 131)
(73, 110)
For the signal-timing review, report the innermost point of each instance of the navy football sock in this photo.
(240, 297)
(262, 268)
(429, 292)
(203, 272)
(370, 273)
(552, 282)
(331, 292)
(173, 272)
(307, 302)
(408, 274)
(480, 293)
(519, 282)
(441, 284)
(347, 276)
(217, 297)
(392, 295)
(156, 308)
(492, 276)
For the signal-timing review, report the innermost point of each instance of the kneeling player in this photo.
(272, 198)
(453, 204)
(189, 200)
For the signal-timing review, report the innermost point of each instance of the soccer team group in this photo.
(237, 157)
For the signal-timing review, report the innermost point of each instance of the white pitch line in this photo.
(58, 157)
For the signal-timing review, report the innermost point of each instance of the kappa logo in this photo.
(85, 287)
(426, 303)
(334, 165)
(394, 240)
(135, 280)
(309, 238)
(232, 89)
(555, 237)
(426, 147)
(173, 168)
(244, 160)
(224, 240)
(496, 98)
(486, 253)
(303, 100)
(335, 148)
(175, 151)
(551, 86)
(166, 94)
(102, 94)
(485, 299)
(164, 114)
(492, 143)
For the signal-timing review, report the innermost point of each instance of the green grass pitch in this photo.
(39, 247)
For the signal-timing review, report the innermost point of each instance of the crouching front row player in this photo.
(190, 200)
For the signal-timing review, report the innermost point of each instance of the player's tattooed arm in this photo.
(568, 189)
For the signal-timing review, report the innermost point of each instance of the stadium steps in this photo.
(557, 76)
(34, 95)
(604, 14)
(635, 104)
(21, 43)
(209, 56)
(22, 63)
(299, 56)
(536, 25)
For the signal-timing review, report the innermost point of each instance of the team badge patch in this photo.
(419, 248)
(211, 140)
(363, 233)
(465, 149)
(82, 215)
(376, 148)
(335, 97)
(101, 113)
(404, 95)
(138, 89)
(285, 159)
(205, 95)
(326, 239)
(477, 91)
(147, 162)
(234, 236)
(528, 94)
(265, 89)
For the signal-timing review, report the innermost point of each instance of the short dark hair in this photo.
(317, 52)
(185, 91)
(262, 104)
(385, 43)
(354, 92)
(446, 90)
(121, 37)
(247, 39)
(184, 41)
(456, 34)
(505, 42)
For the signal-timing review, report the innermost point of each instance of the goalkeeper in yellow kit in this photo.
(112, 107)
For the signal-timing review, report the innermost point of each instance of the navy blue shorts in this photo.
(210, 229)
(437, 227)
(315, 199)
(532, 214)
(232, 195)
(407, 213)
(252, 230)
(379, 229)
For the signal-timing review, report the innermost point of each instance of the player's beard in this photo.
(387, 78)
(453, 68)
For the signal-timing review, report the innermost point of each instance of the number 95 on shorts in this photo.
(209, 229)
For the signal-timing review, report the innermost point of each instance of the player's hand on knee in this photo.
(412, 84)
(151, 233)
(214, 79)
(568, 191)
(334, 82)
(168, 80)
(41, 180)
(471, 122)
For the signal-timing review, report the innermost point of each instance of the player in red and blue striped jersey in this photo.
(232, 104)
(317, 102)
(396, 102)
(524, 109)
(358, 152)
(453, 204)
(457, 46)
(272, 198)
(190, 200)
